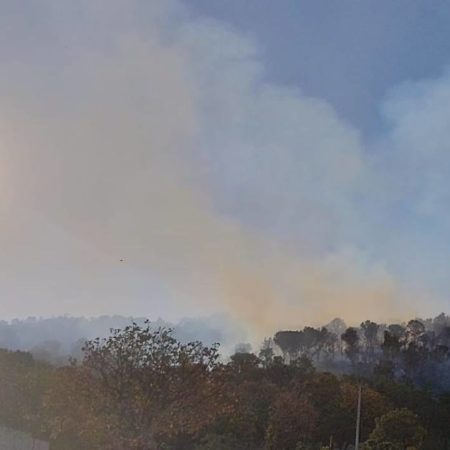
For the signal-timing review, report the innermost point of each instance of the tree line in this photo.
(418, 350)
(140, 388)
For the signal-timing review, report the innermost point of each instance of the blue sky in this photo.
(284, 162)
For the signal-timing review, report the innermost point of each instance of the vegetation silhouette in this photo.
(140, 388)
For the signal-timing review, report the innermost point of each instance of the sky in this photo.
(283, 162)
(348, 53)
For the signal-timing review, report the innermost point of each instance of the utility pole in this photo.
(358, 418)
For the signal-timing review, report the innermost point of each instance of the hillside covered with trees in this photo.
(141, 388)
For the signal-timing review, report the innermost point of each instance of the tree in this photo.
(414, 334)
(324, 393)
(398, 429)
(292, 421)
(374, 406)
(391, 345)
(440, 322)
(247, 420)
(244, 362)
(351, 341)
(328, 341)
(290, 343)
(137, 390)
(24, 382)
(315, 340)
(266, 354)
(336, 326)
(396, 330)
(370, 332)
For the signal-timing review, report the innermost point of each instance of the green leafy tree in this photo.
(399, 429)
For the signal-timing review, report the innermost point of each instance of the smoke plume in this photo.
(163, 146)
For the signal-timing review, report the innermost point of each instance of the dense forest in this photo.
(141, 388)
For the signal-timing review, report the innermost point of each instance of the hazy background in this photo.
(185, 158)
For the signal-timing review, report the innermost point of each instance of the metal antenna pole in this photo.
(358, 418)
